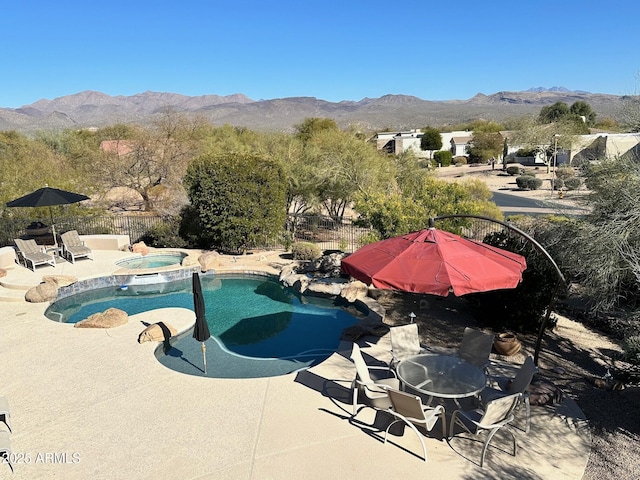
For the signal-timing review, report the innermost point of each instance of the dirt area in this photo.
(501, 182)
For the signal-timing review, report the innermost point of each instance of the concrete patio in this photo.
(96, 404)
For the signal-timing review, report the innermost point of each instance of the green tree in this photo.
(484, 145)
(400, 212)
(152, 160)
(311, 126)
(431, 140)
(583, 109)
(341, 165)
(238, 199)
(553, 113)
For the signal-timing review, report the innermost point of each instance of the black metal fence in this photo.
(331, 233)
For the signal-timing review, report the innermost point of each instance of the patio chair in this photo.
(4, 412)
(517, 384)
(73, 247)
(5, 449)
(372, 392)
(496, 414)
(409, 409)
(475, 347)
(30, 251)
(405, 342)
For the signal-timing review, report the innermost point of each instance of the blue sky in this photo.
(332, 50)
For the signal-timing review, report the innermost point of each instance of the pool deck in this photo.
(96, 404)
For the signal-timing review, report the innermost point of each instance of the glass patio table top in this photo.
(443, 376)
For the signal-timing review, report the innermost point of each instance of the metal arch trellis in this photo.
(561, 281)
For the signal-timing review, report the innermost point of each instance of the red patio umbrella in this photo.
(435, 262)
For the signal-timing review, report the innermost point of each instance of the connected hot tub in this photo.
(153, 260)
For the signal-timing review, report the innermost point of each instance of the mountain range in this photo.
(389, 112)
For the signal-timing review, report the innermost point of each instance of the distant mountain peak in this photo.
(555, 90)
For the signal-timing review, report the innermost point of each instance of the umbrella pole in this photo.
(53, 229)
(204, 357)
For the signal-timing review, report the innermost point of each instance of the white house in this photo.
(399, 142)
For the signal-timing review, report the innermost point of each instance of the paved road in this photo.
(516, 205)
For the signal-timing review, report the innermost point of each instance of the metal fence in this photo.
(331, 233)
(134, 226)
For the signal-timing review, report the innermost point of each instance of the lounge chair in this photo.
(73, 247)
(30, 251)
(517, 384)
(405, 342)
(372, 392)
(409, 409)
(496, 415)
(475, 347)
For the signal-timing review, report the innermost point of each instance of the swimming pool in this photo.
(258, 327)
(153, 260)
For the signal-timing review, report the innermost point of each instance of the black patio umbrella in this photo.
(201, 329)
(48, 197)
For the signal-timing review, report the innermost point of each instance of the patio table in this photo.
(442, 376)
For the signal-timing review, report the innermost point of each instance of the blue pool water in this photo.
(258, 327)
(153, 260)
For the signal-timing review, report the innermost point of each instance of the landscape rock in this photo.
(325, 288)
(190, 261)
(140, 248)
(157, 332)
(354, 291)
(47, 291)
(112, 317)
(60, 280)
(209, 261)
(287, 270)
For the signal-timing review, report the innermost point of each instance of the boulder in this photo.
(112, 317)
(140, 248)
(209, 261)
(47, 291)
(330, 263)
(297, 281)
(354, 291)
(190, 261)
(60, 280)
(157, 332)
(324, 288)
(288, 270)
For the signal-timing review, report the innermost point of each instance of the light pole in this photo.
(555, 161)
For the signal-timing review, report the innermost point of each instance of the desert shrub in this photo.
(564, 172)
(522, 308)
(528, 182)
(305, 251)
(239, 199)
(165, 234)
(631, 349)
(460, 161)
(573, 183)
(442, 157)
(514, 170)
(527, 152)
